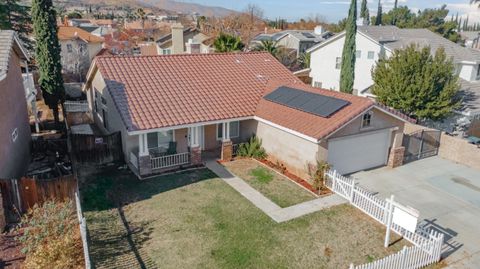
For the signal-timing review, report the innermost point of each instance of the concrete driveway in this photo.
(448, 198)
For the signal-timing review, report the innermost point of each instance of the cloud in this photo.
(464, 11)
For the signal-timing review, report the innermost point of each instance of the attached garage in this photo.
(353, 153)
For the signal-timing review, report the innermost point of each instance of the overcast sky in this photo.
(334, 10)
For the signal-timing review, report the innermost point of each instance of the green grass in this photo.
(195, 220)
(262, 175)
(274, 186)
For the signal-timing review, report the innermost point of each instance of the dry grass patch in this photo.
(195, 220)
(273, 185)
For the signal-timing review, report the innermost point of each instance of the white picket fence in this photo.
(427, 245)
(83, 232)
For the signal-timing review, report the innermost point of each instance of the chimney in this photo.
(319, 30)
(177, 39)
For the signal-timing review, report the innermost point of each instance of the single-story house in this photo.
(171, 109)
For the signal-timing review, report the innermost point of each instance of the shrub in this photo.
(253, 149)
(318, 175)
(50, 236)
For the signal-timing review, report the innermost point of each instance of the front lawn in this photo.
(274, 186)
(195, 220)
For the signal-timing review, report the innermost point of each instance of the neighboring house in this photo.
(79, 47)
(296, 40)
(184, 40)
(471, 39)
(376, 42)
(170, 109)
(15, 128)
(147, 30)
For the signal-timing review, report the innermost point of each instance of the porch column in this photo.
(195, 150)
(144, 160)
(397, 152)
(227, 146)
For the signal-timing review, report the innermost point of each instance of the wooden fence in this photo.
(427, 245)
(98, 149)
(21, 194)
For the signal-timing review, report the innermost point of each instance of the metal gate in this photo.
(421, 144)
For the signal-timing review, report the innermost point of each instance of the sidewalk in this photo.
(275, 212)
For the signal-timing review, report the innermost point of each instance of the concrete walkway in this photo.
(275, 212)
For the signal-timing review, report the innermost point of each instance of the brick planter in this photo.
(196, 156)
(227, 151)
(144, 165)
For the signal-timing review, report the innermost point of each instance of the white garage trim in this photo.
(358, 152)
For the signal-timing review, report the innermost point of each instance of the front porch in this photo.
(159, 151)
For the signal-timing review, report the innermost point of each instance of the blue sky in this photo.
(333, 10)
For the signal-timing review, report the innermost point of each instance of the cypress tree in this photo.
(395, 5)
(378, 20)
(459, 26)
(48, 54)
(347, 74)
(364, 13)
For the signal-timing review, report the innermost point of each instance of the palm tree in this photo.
(269, 46)
(304, 59)
(227, 43)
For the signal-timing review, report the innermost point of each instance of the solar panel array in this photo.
(317, 104)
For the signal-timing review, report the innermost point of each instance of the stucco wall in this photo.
(459, 150)
(14, 156)
(294, 152)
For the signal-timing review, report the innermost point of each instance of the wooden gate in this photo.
(21, 194)
(98, 149)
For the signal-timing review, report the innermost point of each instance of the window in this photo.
(358, 54)
(338, 63)
(317, 84)
(371, 55)
(14, 134)
(166, 52)
(83, 48)
(159, 139)
(234, 130)
(367, 119)
(69, 48)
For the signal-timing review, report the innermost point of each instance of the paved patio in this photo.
(448, 198)
(274, 211)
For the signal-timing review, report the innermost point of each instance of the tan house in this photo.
(183, 40)
(79, 47)
(171, 109)
(14, 91)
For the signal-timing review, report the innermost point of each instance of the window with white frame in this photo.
(159, 139)
(317, 84)
(234, 130)
(166, 51)
(14, 135)
(367, 119)
(358, 54)
(338, 62)
(371, 55)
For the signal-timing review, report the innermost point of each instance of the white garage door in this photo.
(359, 152)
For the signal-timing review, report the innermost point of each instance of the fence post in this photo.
(389, 220)
(352, 191)
(404, 257)
(334, 180)
(351, 266)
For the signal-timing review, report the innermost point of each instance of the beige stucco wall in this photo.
(459, 150)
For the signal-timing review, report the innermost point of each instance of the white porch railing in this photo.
(427, 245)
(170, 160)
(76, 106)
(134, 159)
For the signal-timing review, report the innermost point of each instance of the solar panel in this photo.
(317, 104)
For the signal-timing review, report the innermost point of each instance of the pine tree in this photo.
(48, 54)
(378, 20)
(364, 13)
(414, 81)
(347, 74)
(14, 16)
(395, 5)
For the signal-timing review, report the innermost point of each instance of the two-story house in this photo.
(14, 91)
(183, 40)
(376, 42)
(295, 40)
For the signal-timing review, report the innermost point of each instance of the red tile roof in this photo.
(71, 32)
(162, 91)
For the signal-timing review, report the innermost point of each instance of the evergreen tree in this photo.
(459, 26)
(347, 73)
(48, 54)
(417, 83)
(15, 16)
(378, 20)
(465, 28)
(395, 5)
(364, 13)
